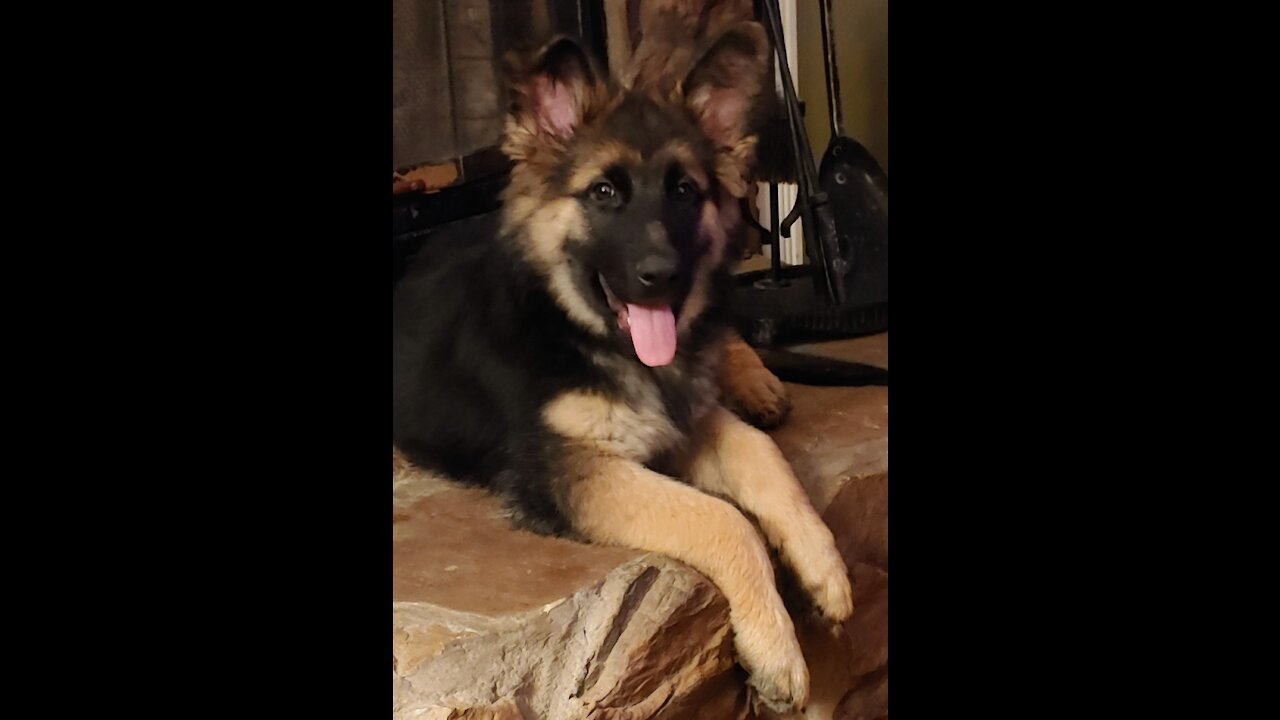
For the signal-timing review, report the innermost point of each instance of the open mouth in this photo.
(652, 327)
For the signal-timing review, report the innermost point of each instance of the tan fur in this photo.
(602, 158)
(742, 463)
(549, 227)
(635, 430)
(401, 468)
(567, 296)
(614, 152)
(620, 502)
(749, 388)
(633, 424)
(613, 498)
(524, 141)
(736, 144)
(609, 495)
(536, 146)
(543, 229)
(519, 138)
(542, 219)
(679, 151)
(672, 31)
(733, 163)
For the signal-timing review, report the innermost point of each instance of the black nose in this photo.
(657, 270)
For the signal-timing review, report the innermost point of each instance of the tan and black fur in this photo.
(514, 367)
(656, 55)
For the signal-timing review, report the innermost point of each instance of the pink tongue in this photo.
(653, 332)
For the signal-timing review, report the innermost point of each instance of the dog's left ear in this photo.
(722, 88)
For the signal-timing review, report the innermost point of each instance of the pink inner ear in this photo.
(556, 106)
(723, 115)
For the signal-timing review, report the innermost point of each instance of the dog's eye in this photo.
(685, 191)
(603, 191)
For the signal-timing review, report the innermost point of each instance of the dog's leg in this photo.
(617, 501)
(742, 463)
(750, 390)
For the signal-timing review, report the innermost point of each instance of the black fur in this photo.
(480, 347)
(482, 342)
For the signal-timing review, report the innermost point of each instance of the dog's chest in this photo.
(638, 426)
(644, 414)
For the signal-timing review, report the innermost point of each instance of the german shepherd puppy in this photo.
(564, 353)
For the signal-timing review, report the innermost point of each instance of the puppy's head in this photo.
(624, 199)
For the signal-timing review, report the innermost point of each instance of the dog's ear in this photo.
(554, 91)
(721, 92)
(722, 88)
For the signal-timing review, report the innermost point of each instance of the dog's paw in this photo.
(768, 649)
(778, 676)
(759, 397)
(822, 573)
(832, 593)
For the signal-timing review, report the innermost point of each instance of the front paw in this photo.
(822, 573)
(832, 593)
(759, 397)
(779, 677)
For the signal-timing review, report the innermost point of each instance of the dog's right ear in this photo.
(554, 92)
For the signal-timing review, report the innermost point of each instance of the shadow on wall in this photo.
(862, 54)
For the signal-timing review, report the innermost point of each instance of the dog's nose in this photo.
(657, 271)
